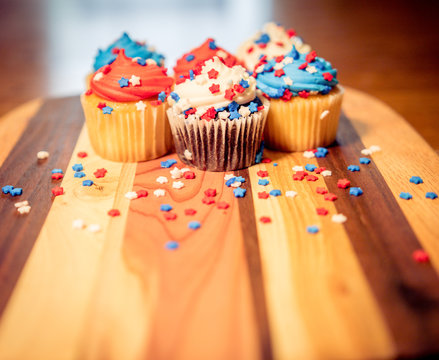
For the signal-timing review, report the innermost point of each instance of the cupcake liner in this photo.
(218, 145)
(127, 134)
(303, 124)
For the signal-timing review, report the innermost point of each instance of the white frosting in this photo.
(196, 94)
(277, 34)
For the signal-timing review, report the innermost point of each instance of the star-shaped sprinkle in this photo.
(87, 183)
(297, 168)
(165, 207)
(279, 73)
(107, 110)
(210, 192)
(159, 192)
(343, 183)
(57, 176)
(190, 57)
(238, 88)
(235, 115)
(21, 203)
(123, 82)
(212, 74)
(222, 205)
(79, 174)
(77, 167)
(162, 96)
(176, 173)
(291, 193)
(253, 107)
(322, 211)
(189, 175)
(100, 173)
(311, 178)
(168, 163)
(310, 167)
(275, 192)
(431, 195)
(287, 81)
(420, 256)
(162, 179)
(41, 155)
(194, 225)
(320, 170)
(94, 228)
(171, 245)
(262, 173)
(14, 191)
(308, 154)
(265, 219)
(326, 173)
(131, 195)
(190, 212)
(327, 76)
(187, 154)
(311, 69)
(140, 105)
(366, 152)
(141, 193)
(228, 176)
(135, 80)
(244, 83)
(24, 209)
(353, 168)
(263, 195)
(263, 182)
(177, 184)
(313, 229)
(300, 175)
(236, 184)
(303, 94)
(356, 191)
(57, 190)
(214, 88)
(405, 195)
(113, 212)
(98, 76)
(339, 218)
(57, 171)
(330, 197)
(230, 94)
(170, 216)
(239, 192)
(81, 154)
(208, 200)
(321, 190)
(78, 224)
(364, 160)
(416, 180)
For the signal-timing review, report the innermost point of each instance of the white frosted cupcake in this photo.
(274, 40)
(217, 118)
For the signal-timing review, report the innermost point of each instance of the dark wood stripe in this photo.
(54, 128)
(407, 292)
(251, 244)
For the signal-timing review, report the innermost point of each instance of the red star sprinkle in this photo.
(57, 176)
(230, 94)
(169, 215)
(291, 33)
(265, 219)
(115, 50)
(263, 195)
(279, 72)
(300, 175)
(212, 74)
(262, 173)
(278, 59)
(266, 160)
(113, 212)
(262, 45)
(330, 197)
(208, 200)
(250, 50)
(260, 107)
(238, 88)
(327, 76)
(222, 205)
(88, 92)
(190, 212)
(209, 114)
(100, 173)
(343, 183)
(214, 88)
(319, 170)
(155, 102)
(303, 94)
(101, 105)
(279, 43)
(321, 190)
(311, 56)
(189, 175)
(420, 256)
(82, 154)
(311, 178)
(322, 211)
(210, 192)
(141, 193)
(303, 66)
(106, 69)
(57, 190)
(287, 95)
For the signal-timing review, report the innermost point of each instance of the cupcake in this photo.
(217, 118)
(305, 100)
(125, 110)
(196, 57)
(274, 40)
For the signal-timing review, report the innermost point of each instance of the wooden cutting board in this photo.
(236, 288)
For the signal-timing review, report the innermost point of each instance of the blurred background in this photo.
(389, 49)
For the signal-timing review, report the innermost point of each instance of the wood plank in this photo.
(313, 281)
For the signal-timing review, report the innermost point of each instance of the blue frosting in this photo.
(132, 49)
(275, 86)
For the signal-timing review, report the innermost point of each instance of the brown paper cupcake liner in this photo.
(218, 145)
(127, 134)
(303, 124)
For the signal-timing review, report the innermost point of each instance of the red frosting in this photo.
(153, 80)
(201, 54)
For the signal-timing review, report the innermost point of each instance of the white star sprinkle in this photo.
(24, 209)
(291, 194)
(374, 148)
(236, 184)
(366, 152)
(94, 228)
(177, 184)
(308, 154)
(150, 62)
(140, 105)
(42, 155)
(98, 76)
(183, 170)
(21, 203)
(326, 173)
(339, 218)
(311, 69)
(159, 192)
(135, 80)
(287, 80)
(244, 111)
(324, 114)
(228, 176)
(187, 154)
(176, 173)
(162, 179)
(297, 168)
(223, 115)
(221, 54)
(288, 60)
(131, 195)
(78, 224)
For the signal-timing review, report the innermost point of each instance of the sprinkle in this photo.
(303, 66)
(171, 245)
(222, 205)
(275, 192)
(310, 167)
(311, 69)
(16, 191)
(416, 180)
(194, 225)
(303, 94)
(24, 209)
(330, 197)
(212, 45)
(165, 207)
(324, 114)
(263, 182)
(176, 173)
(190, 57)
(339, 218)
(405, 195)
(308, 154)
(313, 229)
(140, 105)
(208, 200)
(253, 107)
(262, 173)
(78, 224)
(94, 228)
(98, 76)
(228, 176)
(162, 180)
(327, 76)
(343, 183)
(238, 88)
(214, 88)
(353, 168)
(189, 175)
(311, 178)
(212, 74)
(366, 152)
(41, 155)
(177, 184)
(123, 82)
(174, 96)
(322, 211)
(107, 110)
(57, 171)
(229, 94)
(131, 195)
(113, 212)
(244, 83)
(210, 114)
(190, 212)
(77, 167)
(159, 192)
(135, 80)
(21, 203)
(321, 152)
(420, 256)
(320, 170)
(297, 168)
(356, 191)
(162, 96)
(326, 173)
(141, 193)
(299, 175)
(81, 154)
(78, 174)
(210, 192)
(374, 148)
(265, 219)
(187, 154)
(57, 176)
(168, 163)
(321, 190)
(364, 160)
(170, 216)
(236, 184)
(431, 195)
(287, 81)
(263, 195)
(291, 194)
(57, 190)
(279, 73)
(87, 183)
(239, 192)
(100, 173)
(240, 179)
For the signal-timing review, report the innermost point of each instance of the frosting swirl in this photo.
(272, 41)
(132, 49)
(295, 74)
(197, 56)
(216, 86)
(127, 80)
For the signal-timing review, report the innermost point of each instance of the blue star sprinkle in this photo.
(253, 107)
(239, 192)
(190, 57)
(107, 110)
(171, 245)
(230, 181)
(123, 82)
(356, 191)
(263, 39)
(77, 167)
(79, 174)
(191, 74)
(310, 167)
(364, 160)
(323, 150)
(194, 225)
(165, 207)
(416, 180)
(212, 45)
(405, 195)
(431, 195)
(274, 164)
(233, 106)
(353, 168)
(141, 61)
(7, 189)
(234, 115)
(174, 96)
(16, 191)
(275, 192)
(240, 179)
(263, 182)
(244, 83)
(167, 163)
(313, 229)
(56, 171)
(87, 183)
(162, 96)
